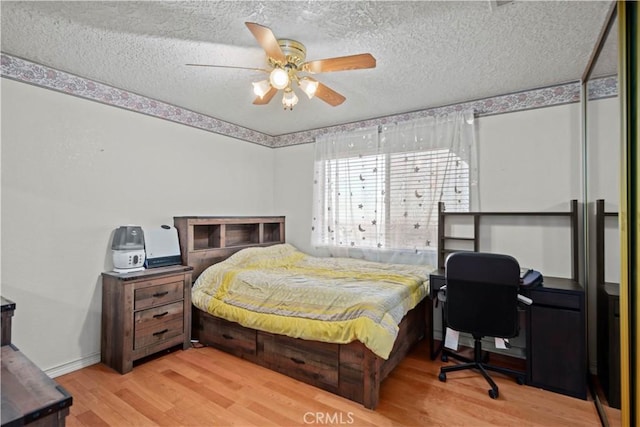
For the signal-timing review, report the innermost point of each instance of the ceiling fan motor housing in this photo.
(294, 51)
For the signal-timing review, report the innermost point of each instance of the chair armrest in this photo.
(525, 300)
(441, 295)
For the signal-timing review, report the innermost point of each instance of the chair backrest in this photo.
(482, 294)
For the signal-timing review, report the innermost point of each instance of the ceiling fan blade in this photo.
(228, 66)
(266, 98)
(267, 40)
(329, 95)
(352, 62)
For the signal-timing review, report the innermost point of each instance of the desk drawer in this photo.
(309, 361)
(161, 291)
(556, 299)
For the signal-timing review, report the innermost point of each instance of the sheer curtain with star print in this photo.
(376, 191)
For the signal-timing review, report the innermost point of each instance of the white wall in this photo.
(531, 161)
(72, 171)
(293, 197)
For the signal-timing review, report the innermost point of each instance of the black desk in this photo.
(556, 334)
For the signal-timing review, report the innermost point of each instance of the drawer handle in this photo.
(155, 334)
(298, 361)
(160, 294)
(157, 316)
(227, 337)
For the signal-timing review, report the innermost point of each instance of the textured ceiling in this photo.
(428, 53)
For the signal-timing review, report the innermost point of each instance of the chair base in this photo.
(478, 364)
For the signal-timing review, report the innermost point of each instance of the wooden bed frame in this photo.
(349, 370)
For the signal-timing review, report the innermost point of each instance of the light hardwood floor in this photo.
(206, 387)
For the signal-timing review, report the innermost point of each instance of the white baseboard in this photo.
(73, 366)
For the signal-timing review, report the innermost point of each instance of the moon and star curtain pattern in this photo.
(376, 191)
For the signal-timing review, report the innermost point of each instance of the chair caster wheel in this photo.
(444, 358)
(442, 377)
(520, 380)
(493, 394)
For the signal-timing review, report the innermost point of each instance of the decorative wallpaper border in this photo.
(519, 101)
(602, 87)
(39, 75)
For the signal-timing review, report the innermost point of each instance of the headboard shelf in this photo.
(205, 240)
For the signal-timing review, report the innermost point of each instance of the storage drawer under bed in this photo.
(228, 336)
(308, 361)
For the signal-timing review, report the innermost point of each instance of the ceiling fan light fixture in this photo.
(279, 78)
(289, 99)
(261, 88)
(308, 86)
(285, 60)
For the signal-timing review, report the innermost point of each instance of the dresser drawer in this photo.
(157, 333)
(308, 361)
(152, 317)
(228, 336)
(159, 292)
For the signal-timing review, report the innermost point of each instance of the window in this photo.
(380, 190)
(373, 196)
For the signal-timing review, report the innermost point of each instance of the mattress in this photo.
(281, 290)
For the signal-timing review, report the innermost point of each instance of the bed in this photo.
(344, 342)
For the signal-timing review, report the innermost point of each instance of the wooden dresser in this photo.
(143, 313)
(29, 396)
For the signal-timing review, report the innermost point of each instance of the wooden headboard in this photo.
(206, 240)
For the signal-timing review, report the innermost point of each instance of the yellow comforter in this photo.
(281, 290)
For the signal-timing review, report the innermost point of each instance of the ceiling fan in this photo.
(287, 69)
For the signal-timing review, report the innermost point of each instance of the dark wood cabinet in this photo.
(143, 313)
(609, 342)
(556, 338)
(608, 314)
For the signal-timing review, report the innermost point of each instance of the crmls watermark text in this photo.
(328, 418)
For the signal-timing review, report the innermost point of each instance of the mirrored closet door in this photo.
(602, 192)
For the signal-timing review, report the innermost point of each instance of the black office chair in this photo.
(482, 300)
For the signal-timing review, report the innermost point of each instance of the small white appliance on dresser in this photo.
(128, 249)
(162, 246)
